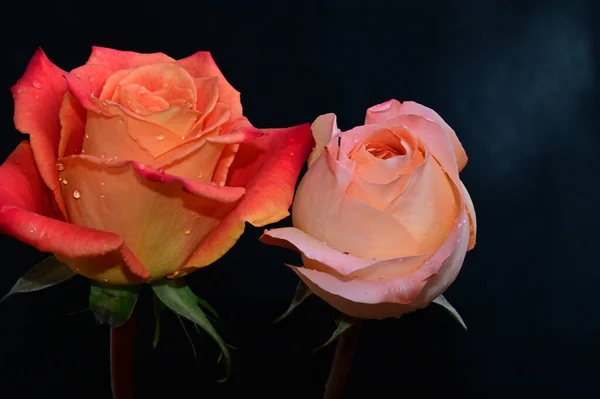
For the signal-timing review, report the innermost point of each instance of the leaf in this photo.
(179, 298)
(206, 306)
(158, 309)
(442, 301)
(343, 325)
(113, 304)
(187, 335)
(302, 292)
(45, 274)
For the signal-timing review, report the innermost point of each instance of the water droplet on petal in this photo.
(91, 79)
(291, 154)
(115, 157)
(76, 194)
(102, 196)
(36, 97)
(20, 91)
(36, 84)
(87, 136)
(355, 139)
(82, 151)
(222, 184)
(187, 232)
(200, 174)
(60, 166)
(182, 137)
(105, 280)
(65, 181)
(160, 137)
(103, 155)
(101, 183)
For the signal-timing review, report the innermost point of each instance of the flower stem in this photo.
(342, 361)
(121, 359)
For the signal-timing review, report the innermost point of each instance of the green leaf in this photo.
(442, 301)
(343, 325)
(113, 304)
(302, 292)
(158, 309)
(45, 274)
(179, 298)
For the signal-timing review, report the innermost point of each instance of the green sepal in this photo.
(302, 292)
(113, 304)
(344, 323)
(442, 301)
(178, 297)
(158, 309)
(45, 274)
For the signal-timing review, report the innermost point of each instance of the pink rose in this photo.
(381, 218)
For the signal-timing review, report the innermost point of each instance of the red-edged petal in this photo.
(117, 59)
(72, 120)
(268, 168)
(38, 96)
(378, 299)
(26, 214)
(202, 65)
(161, 217)
(85, 83)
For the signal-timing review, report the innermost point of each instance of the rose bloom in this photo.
(140, 166)
(381, 218)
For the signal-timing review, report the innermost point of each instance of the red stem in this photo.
(121, 359)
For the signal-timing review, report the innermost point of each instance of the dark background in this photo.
(518, 81)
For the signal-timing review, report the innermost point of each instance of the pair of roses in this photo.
(140, 167)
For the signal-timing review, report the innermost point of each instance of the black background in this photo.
(517, 80)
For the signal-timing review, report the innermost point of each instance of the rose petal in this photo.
(207, 90)
(109, 90)
(268, 168)
(140, 100)
(86, 82)
(321, 208)
(324, 130)
(391, 109)
(166, 80)
(390, 298)
(26, 214)
(117, 59)
(472, 216)
(38, 96)
(429, 206)
(72, 121)
(202, 65)
(161, 217)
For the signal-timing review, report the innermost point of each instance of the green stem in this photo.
(121, 359)
(342, 361)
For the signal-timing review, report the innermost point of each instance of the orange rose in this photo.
(381, 218)
(140, 166)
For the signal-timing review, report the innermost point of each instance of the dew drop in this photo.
(91, 79)
(182, 137)
(105, 280)
(115, 157)
(36, 97)
(20, 91)
(355, 139)
(36, 84)
(291, 154)
(160, 137)
(103, 155)
(102, 196)
(82, 151)
(76, 194)
(101, 183)
(60, 166)
(187, 232)
(200, 174)
(65, 181)
(87, 136)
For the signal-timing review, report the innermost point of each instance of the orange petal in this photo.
(391, 109)
(429, 206)
(72, 120)
(117, 59)
(109, 90)
(166, 80)
(38, 96)
(27, 215)
(321, 209)
(202, 65)
(268, 168)
(140, 100)
(162, 218)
